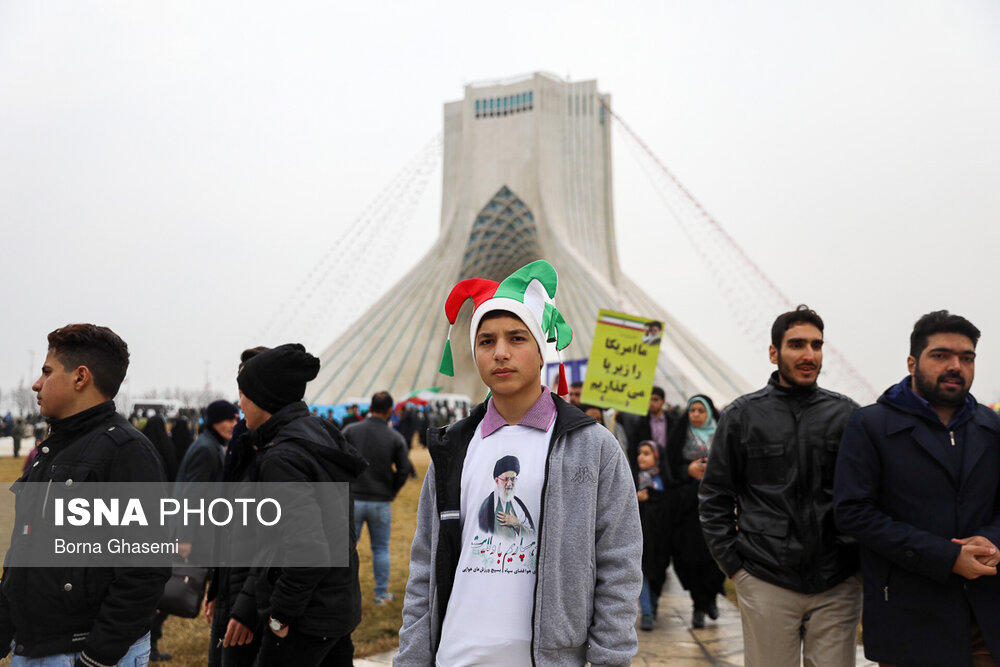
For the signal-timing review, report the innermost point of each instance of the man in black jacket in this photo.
(655, 426)
(95, 616)
(202, 464)
(376, 488)
(234, 641)
(204, 458)
(766, 508)
(308, 612)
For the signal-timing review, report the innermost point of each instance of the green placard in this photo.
(622, 362)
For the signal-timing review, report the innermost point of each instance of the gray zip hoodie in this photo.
(590, 547)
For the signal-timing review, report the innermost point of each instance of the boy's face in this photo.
(507, 357)
(55, 388)
(254, 414)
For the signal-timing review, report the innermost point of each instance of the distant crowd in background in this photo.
(409, 419)
(814, 507)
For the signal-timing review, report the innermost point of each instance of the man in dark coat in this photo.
(93, 615)
(376, 488)
(309, 612)
(916, 484)
(204, 458)
(234, 640)
(202, 464)
(655, 426)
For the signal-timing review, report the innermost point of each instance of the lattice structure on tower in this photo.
(752, 297)
(526, 175)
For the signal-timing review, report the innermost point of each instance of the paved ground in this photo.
(672, 641)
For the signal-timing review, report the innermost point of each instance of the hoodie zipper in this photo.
(538, 558)
(952, 434)
(541, 514)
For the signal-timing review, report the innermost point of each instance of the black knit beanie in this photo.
(277, 377)
(220, 411)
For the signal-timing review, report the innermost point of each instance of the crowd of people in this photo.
(667, 450)
(544, 524)
(18, 429)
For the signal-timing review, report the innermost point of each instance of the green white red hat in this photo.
(529, 293)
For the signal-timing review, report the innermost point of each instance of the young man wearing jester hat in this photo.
(528, 546)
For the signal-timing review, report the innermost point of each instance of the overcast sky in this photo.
(177, 170)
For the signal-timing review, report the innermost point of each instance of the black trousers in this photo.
(156, 628)
(301, 650)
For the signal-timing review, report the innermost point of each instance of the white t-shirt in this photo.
(488, 621)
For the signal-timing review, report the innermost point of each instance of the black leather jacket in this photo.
(100, 611)
(772, 460)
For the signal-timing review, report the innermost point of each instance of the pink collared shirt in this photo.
(539, 416)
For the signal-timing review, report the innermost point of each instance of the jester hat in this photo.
(528, 293)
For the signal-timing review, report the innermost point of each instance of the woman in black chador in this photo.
(687, 456)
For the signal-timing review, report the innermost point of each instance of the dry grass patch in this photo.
(187, 639)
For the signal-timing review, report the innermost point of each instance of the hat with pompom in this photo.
(529, 293)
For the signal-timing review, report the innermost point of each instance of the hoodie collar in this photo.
(902, 397)
(269, 429)
(321, 439)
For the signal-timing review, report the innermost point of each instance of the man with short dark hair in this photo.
(93, 616)
(352, 416)
(916, 484)
(655, 426)
(575, 392)
(562, 592)
(766, 508)
(376, 488)
(657, 423)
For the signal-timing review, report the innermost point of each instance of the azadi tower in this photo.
(527, 175)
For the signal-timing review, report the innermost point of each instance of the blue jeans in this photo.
(646, 599)
(137, 656)
(379, 518)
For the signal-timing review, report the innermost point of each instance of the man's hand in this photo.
(281, 634)
(642, 495)
(209, 610)
(967, 564)
(237, 634)
(184, 549)
(508, 519)
(991, 559)
(697, 468)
